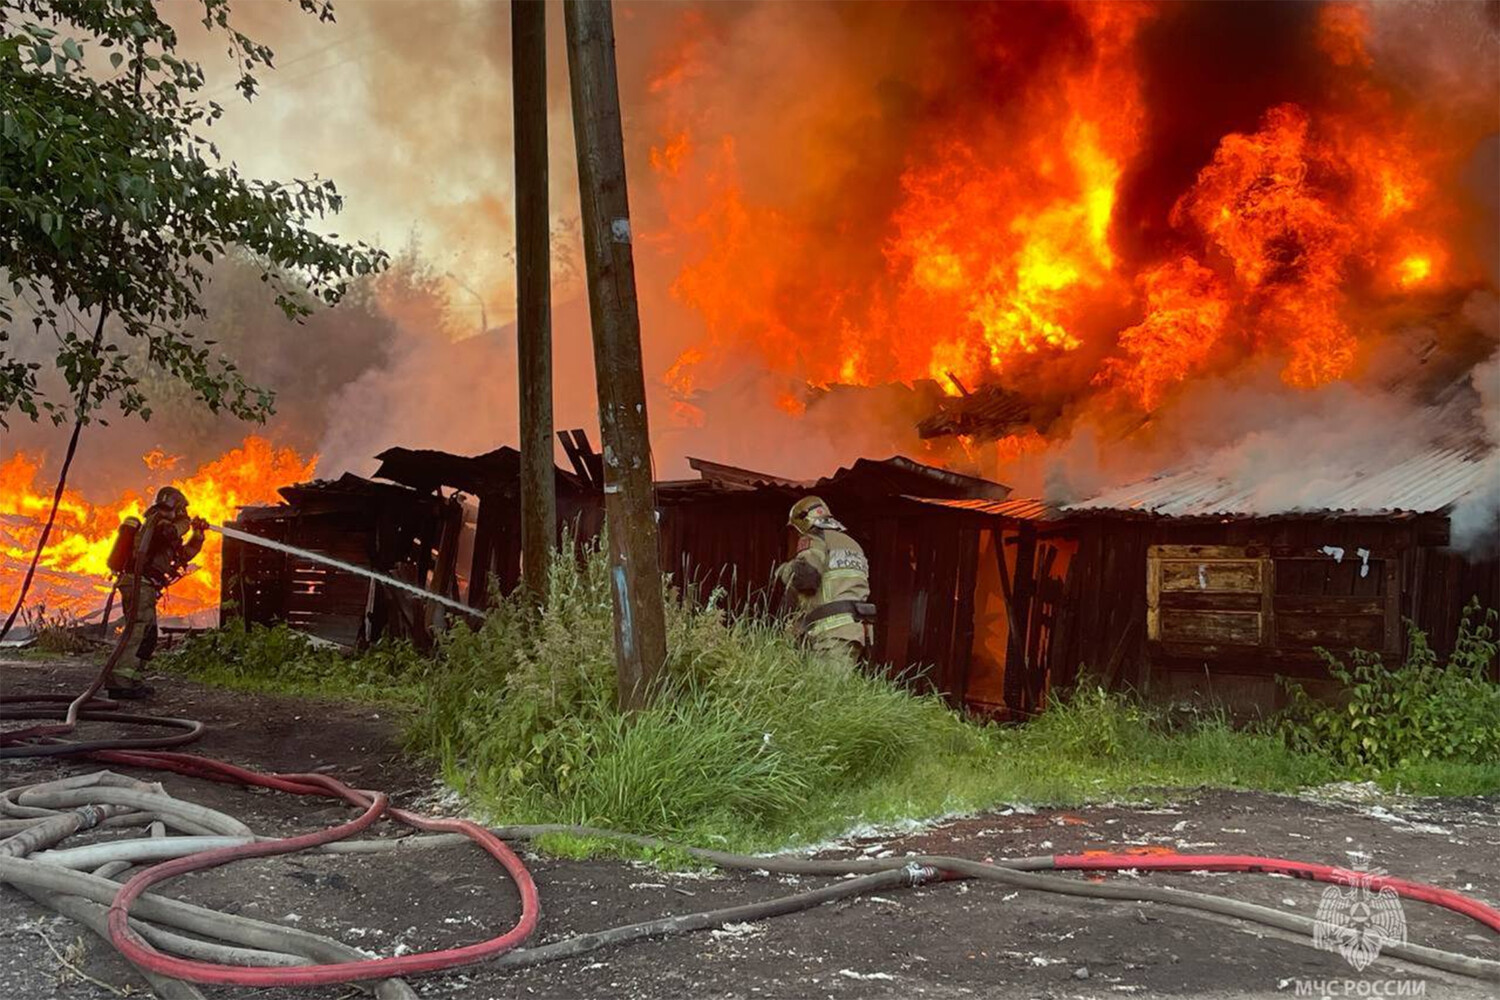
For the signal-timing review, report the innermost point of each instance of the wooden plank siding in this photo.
(1269, 595)
(367, 524)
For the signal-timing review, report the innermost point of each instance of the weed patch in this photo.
(1423, 721)
(281, 660)
(55, 633)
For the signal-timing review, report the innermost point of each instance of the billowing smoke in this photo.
(305, 363)
(1256, 241)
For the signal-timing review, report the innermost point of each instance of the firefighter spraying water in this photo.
(148, 557)
(151, 554)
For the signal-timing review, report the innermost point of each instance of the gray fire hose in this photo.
(48, 876)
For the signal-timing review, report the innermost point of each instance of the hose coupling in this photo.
(89, 816)
(920, 874)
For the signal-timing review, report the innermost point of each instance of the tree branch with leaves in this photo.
(114, 201)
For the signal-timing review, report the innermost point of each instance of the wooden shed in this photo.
(373, 525)
(1182, 585)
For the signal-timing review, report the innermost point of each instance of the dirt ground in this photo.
(945, 941)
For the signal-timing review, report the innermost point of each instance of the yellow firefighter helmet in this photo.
(810, 513)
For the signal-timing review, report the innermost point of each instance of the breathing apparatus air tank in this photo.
(122, 553)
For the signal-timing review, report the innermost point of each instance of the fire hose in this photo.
(87, 707)
(347, 567)
(31, 861)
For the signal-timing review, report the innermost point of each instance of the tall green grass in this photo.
(279, 660)
(753, 743)
(748, 739)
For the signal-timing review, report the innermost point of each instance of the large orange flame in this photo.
(1002, 247)
(73, 577)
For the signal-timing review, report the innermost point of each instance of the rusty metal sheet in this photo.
(1020, 508)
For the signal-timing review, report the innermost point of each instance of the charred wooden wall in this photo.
(923, 564)
(732, 542)
(1310, 599)
(497, 538)
(263, 586)
(367, 524)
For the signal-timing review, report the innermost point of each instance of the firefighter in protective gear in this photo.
(168, 539)
(831, 578)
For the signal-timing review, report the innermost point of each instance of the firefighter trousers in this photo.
(140, 628)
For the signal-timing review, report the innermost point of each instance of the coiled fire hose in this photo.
(137, 921)
(259, 954)
(42, 741)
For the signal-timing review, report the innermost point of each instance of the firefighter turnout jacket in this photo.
(829, 575)
(167, 543)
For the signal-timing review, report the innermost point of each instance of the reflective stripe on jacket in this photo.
(843, 575)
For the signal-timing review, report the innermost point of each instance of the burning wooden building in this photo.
(724, 530)
(1179, 585)
(1214, 592)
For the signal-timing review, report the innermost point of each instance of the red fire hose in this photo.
(136, 950)
(376, 805)
(1158, 862)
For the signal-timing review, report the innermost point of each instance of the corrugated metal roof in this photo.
(898, 476)
(1423, 484)
(740, 478)
(1021, 508)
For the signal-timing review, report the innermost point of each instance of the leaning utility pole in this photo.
(528, 39)
(629, 500)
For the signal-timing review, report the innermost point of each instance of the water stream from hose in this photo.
(319, 557)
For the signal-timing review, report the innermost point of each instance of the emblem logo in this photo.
(1357, 920)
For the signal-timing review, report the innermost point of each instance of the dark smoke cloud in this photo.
(1209, 69)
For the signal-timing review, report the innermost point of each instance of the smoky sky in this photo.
(407, 106)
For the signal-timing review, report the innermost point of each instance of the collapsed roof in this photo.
(494, 472)
(895, 476)
(987, 413)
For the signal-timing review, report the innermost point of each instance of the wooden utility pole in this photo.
(528, 39)
(629, 500)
